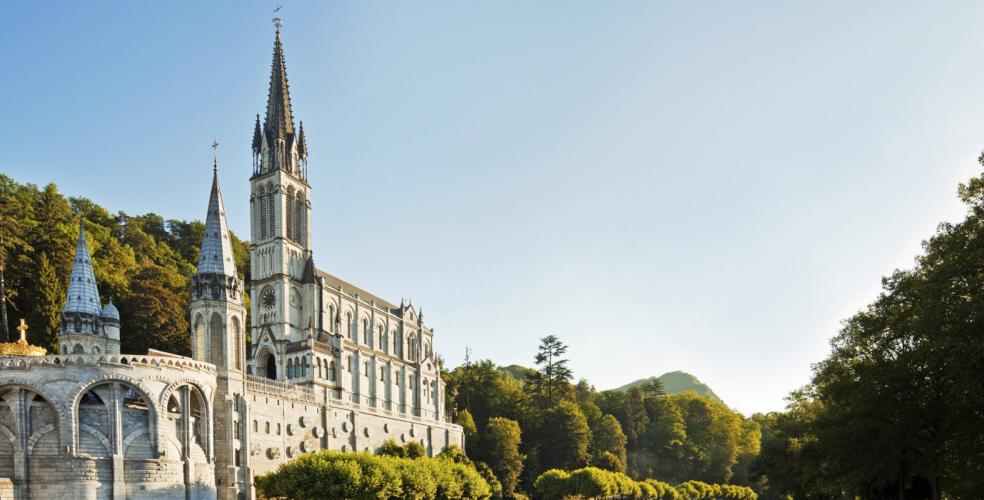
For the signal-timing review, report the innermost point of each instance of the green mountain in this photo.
(518, 372)
(676, 382)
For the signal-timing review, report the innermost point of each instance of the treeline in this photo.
(522, 427)
(143, 263)
(896, 410)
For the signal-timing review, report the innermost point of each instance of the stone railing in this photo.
(62, 360)
(280, 389)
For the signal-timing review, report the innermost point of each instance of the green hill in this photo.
(518, 372)
(676, 382)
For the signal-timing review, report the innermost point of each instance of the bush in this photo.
(552, 484)
(331, 474)
(391, 448)
(414, 449)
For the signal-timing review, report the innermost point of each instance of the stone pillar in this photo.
(116, 441)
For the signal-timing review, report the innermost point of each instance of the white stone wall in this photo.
(88, 426)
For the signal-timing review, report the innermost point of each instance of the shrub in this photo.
(330, 474)
(391, 448)
(414, 449)
(552, 484)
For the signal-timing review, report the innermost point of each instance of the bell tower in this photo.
(280, 243)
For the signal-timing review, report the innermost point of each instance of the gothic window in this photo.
(350, 326)
(299, 207)
(331, 319)
(289, 211)
(331, 371)
(273, 211)
(263, 214)
(365, 331)
(304, 367)
(237, 342)
(215, 333)
(382, 339)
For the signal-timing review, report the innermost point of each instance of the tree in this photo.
(553, 373)
(468, 427)
(607, 437)
(153, 316)
(501, 451)
(562, 438)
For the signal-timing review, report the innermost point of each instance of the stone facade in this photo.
(329, 366)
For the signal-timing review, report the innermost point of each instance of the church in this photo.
(317, 363)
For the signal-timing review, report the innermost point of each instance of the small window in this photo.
(266, 427)
(278, 429)
(256, 426)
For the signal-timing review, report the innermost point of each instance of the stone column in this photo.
(116, 441)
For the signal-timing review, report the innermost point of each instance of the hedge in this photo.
(363, 476)
(592, 482)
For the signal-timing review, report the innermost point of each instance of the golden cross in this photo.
(23, 330)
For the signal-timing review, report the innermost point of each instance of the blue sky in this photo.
(700, 186)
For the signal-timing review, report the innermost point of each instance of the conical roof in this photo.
(216, 254)
(279, 123)
(82, 297)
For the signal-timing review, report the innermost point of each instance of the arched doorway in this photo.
(267, 366)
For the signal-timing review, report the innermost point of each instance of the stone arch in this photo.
(266, 364)
(64, 415)
(37, 435)
(78, 349)
(153, 417)
(100, 437)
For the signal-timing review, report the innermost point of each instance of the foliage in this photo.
(144, 263)
(331, 474)
(553, 374)
(895, 409)
(501, 451)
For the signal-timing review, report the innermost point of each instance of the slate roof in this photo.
(216, 254)
(82, 296)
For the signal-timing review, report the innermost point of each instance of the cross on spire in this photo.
(277, 21)
(215, 154)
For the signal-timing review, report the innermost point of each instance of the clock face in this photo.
(269, 298)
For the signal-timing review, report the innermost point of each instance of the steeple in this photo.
(83, 297)
(279, 119)
(257, 144)
(216, 253)
(277, 145)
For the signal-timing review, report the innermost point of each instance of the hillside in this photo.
(676, 382)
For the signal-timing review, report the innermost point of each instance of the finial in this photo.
(277, 22)
(215, 155)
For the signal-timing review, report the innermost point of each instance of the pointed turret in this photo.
(257, 138)
(302, 149)
(216, 252)
(82, 297)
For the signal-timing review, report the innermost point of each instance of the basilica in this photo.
(317, 363)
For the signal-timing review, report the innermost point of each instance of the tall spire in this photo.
(216, 254)
(302, 150)
(82, 297)
(279, 123)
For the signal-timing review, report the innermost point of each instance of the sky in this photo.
(700, 186)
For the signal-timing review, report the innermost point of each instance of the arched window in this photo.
(304, 366)
(365, 331)
(382, 338)
(215, 333)
(331, 371)
(350, 326)
(273, 211)
(289, 211)
(331, 319)
(237, 343)
(199, 349)
(78, 349)
(299, 207)
(263, 213)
